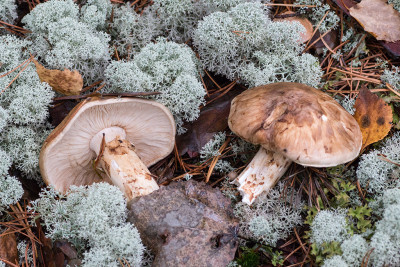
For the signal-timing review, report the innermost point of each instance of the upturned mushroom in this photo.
(291, 122)
(120, 137)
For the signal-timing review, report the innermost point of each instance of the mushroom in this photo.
(123, 136)
(291, 122)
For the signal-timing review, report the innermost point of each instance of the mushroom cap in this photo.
(300, 122)
(66, 157)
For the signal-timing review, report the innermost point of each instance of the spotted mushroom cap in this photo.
(66, 158)
(297, 121)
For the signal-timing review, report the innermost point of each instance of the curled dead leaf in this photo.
(378, 18)
(65, 82)
(374, 117)
(213, 118)
(345, 5)
(8, 247)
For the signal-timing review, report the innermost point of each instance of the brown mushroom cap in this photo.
(66, 157)
(298, 121)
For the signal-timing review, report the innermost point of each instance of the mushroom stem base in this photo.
(126, 170)
(262, 173)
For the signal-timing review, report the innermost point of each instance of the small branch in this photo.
(76, 97)
(384, 158)
(316, 28)
(289, 5)
(19, 73)
(394, 91)
(215, 159)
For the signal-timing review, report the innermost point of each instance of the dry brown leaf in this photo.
(65, 82)
(213, 118)
(378, 18)
(8, 247)
(308, 33)
(373, 115)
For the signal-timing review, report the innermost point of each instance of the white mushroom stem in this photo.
(121, 163)
(262, 173)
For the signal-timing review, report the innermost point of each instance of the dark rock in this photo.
(186, 224)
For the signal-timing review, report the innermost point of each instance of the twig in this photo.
(19, 73)
(76, 97)
(316, 28)
(204, 84)
(289, 5)
(394, 91)
(384, 158)
(215, 159)
(222, 94)
(209, 76)
(291, 253)
(87, 88)
(134, 2)
(299, 240)
(358, 75)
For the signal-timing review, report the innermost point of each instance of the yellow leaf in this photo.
(65, 82)
(378, 18)
(374, 117)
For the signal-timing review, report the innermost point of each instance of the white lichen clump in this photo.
(95, 13)
(243, 43)
(329, 226)
(179, 18)
(335, 261)
(131, 32)
(317, 12)
(374, 172)
(93, 219)
(395, 3)
(386, 239)
(65, 38)
(354, 249)
(348, 104)
(392, 77)
(24, 108)
(8, 11)
(381, 246)
(271, 217)
(165, 67)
